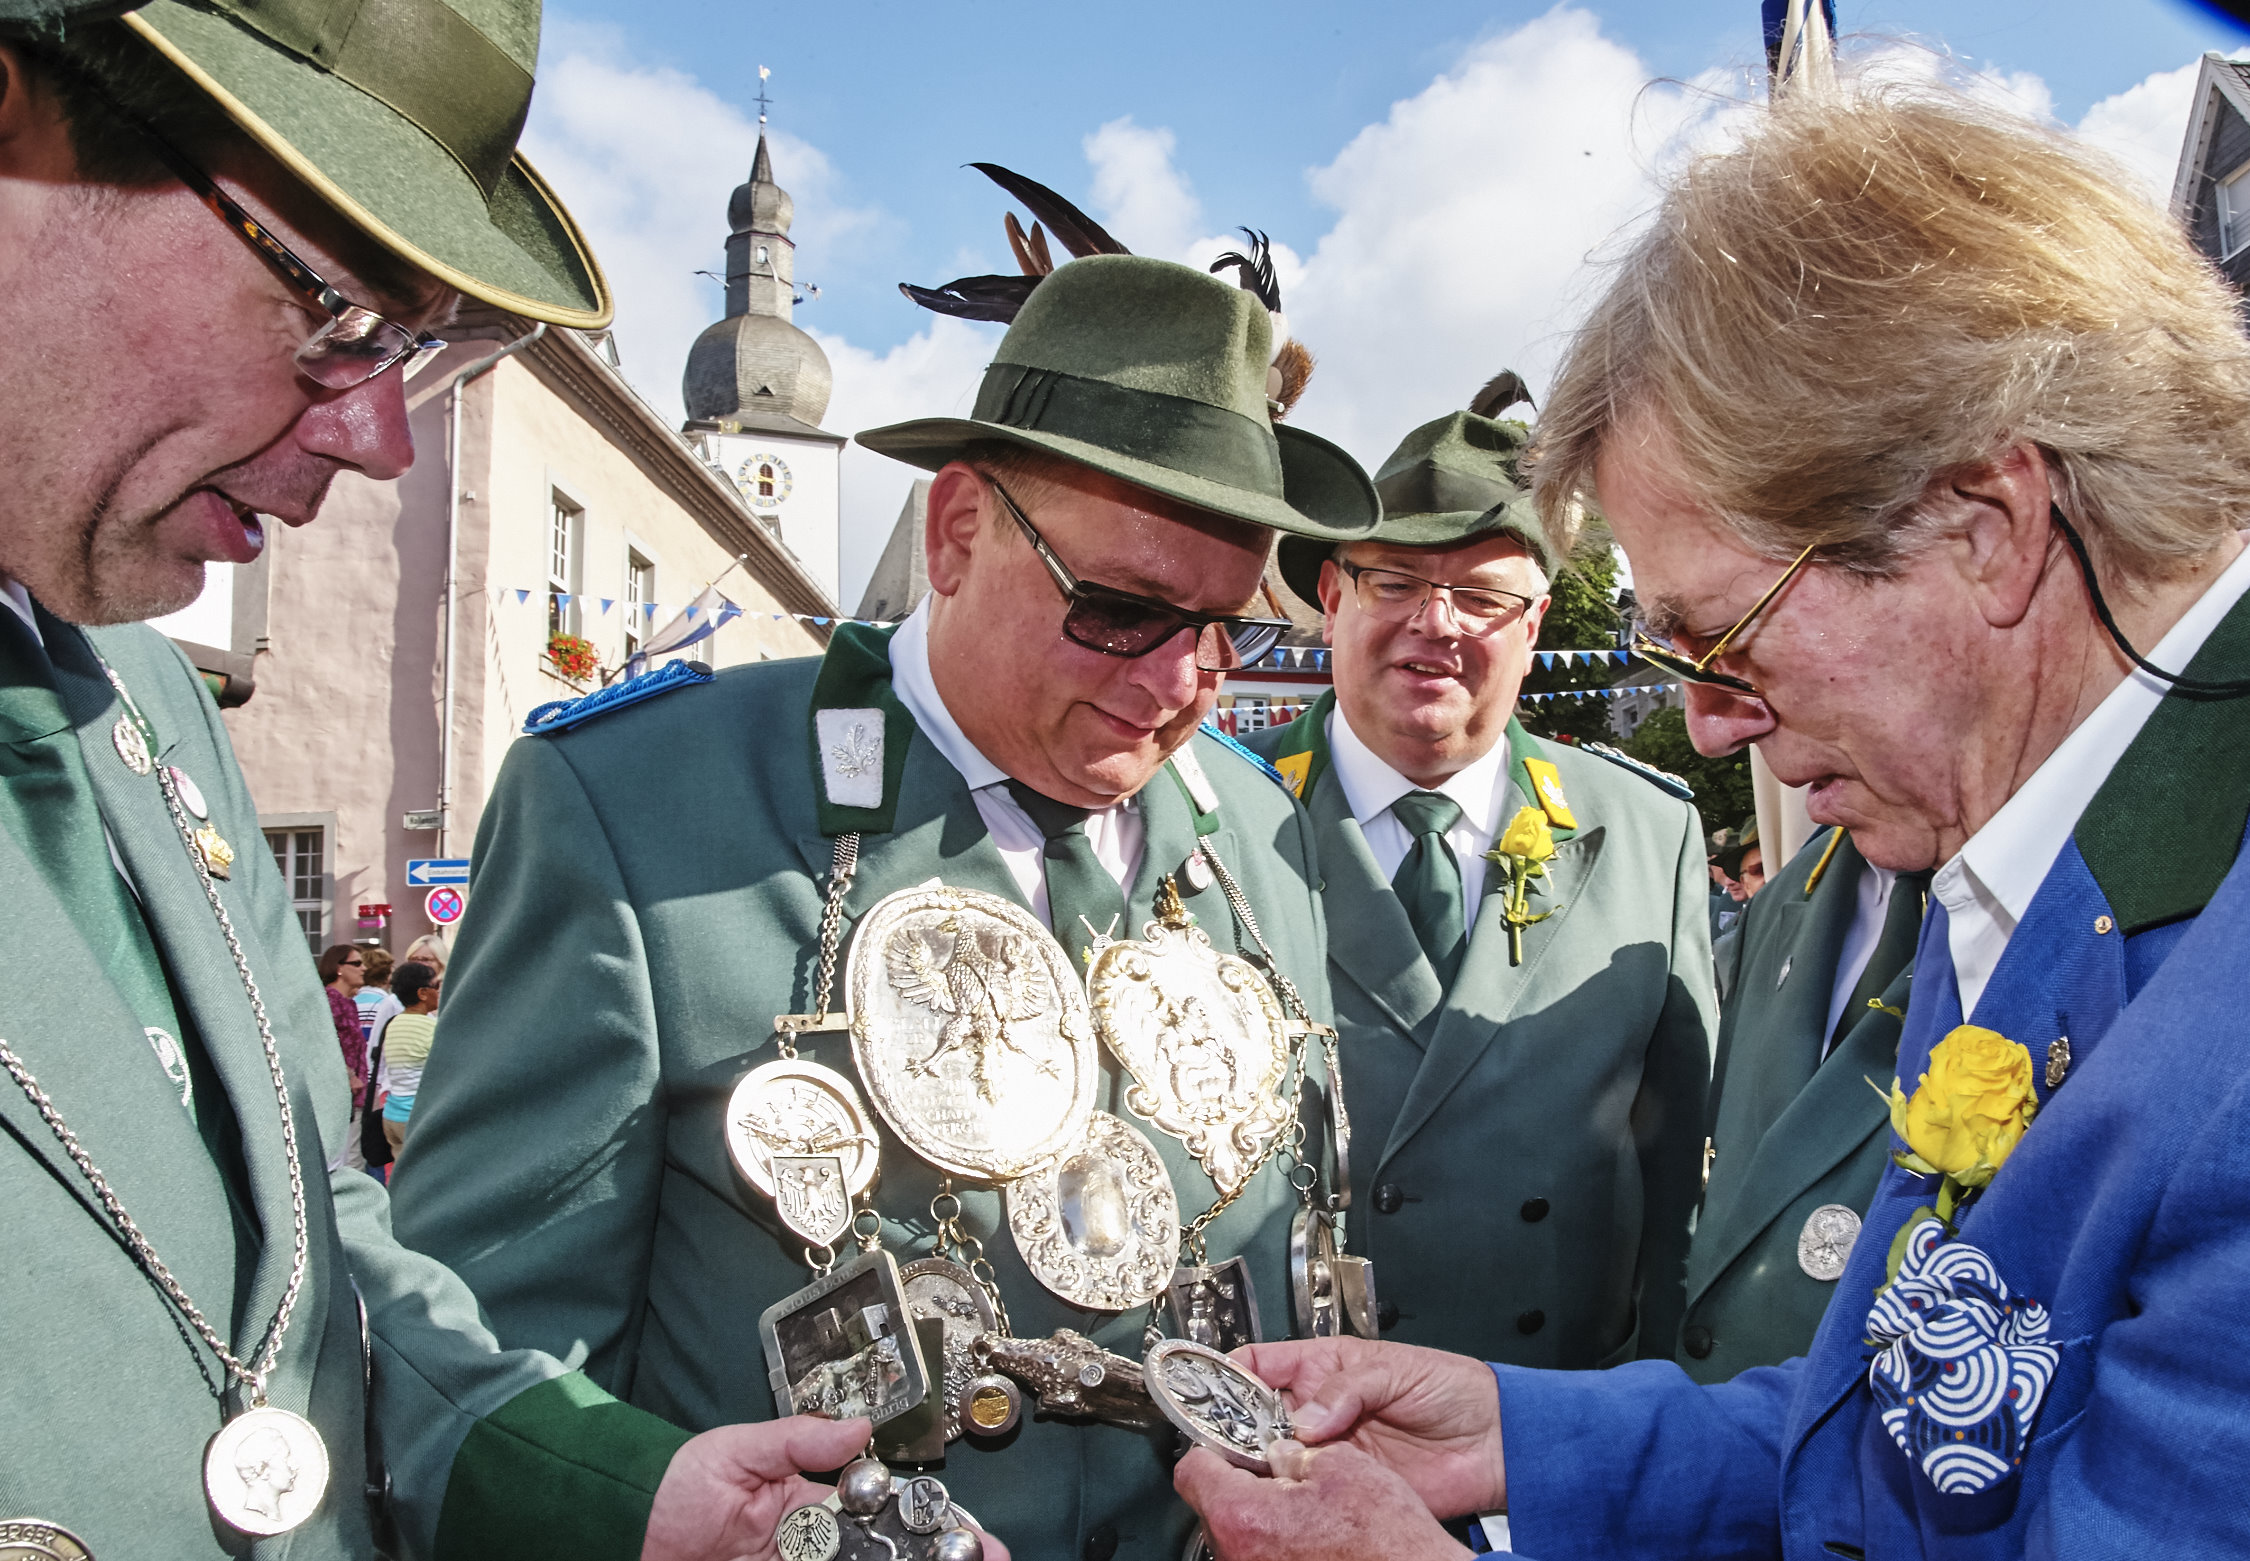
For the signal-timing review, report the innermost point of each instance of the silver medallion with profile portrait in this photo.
(845, 1345)
(265, 1471)
(970, 1031)
(1203, 1036)
(1215, 1403)
(1100, 1227)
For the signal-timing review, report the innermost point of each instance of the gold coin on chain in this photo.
(1203, 1036)
(970, 1031)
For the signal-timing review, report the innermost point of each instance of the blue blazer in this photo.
(2125, 1210)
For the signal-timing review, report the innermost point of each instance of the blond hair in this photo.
(1882, 286)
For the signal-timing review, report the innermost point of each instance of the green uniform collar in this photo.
(1526, 760)
(1302, 758)
(858, 729)
(2164, 829)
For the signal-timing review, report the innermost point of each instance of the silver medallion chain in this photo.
(254, 1376)
(840, 875)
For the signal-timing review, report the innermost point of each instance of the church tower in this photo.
(757, 385)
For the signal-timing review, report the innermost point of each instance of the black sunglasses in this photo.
(1118, 623)
(356, 343)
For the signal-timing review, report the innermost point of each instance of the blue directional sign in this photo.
(428, 872)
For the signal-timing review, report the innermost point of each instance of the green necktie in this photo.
(1894, 948)
(1080, 891)
(1428, 882)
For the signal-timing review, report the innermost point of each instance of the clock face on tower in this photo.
(764, 481)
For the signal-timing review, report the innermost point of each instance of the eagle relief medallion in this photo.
(1205, 1040)
(970, 1031)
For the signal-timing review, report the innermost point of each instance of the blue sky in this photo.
(1437, 171)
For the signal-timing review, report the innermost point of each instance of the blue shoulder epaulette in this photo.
(1271, 773)
(1662, 780)
(561, 715)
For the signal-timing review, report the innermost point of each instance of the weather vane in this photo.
(761, 99)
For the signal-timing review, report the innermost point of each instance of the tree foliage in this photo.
(1722, 786)
(1582, 616)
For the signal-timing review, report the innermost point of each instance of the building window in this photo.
(2234, 212)
(566, 536)
(640, 590)
(302, 856)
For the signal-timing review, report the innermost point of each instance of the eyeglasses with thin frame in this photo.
(357, 343)
(1662, 653)
(1394, 596)
(1119, 623)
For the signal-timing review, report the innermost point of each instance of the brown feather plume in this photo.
(1294, 363)
(1504, 390)
(1031, 252)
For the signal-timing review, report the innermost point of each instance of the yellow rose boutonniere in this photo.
(1525, 848)
(1964, 1119)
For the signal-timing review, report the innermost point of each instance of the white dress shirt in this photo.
(1115, 831)
(19, 602)
(1859, 943)
(1988, 886)
(1371, 786)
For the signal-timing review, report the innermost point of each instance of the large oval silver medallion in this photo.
(1215, 1403)
(1205, 1040)
(1824, 1246)
(265, 1471)
(793, 1110)
(971, 1032)
(1100, 1227)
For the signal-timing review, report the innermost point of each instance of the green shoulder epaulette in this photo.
(1662, 780)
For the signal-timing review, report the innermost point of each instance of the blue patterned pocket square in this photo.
(1962, 1365)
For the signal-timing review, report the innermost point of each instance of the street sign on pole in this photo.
(426, 872)
(444, 906)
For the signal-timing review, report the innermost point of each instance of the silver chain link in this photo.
(832, 916)
(253, 1377)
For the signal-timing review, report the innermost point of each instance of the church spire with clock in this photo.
(757, 385)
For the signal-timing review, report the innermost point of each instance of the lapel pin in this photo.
(1197, 871)
(1786, 966)
(191, 795)
(131, 746)
(2058, 1061)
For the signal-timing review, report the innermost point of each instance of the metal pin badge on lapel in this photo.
(1786, 966)
(131, 745)
(2058, 1062)
(1824, 1246)
(1196, 872)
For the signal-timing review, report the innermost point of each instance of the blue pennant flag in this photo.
(607, 603)
(522, 597)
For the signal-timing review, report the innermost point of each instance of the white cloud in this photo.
(2144, 126)
(1144, 201)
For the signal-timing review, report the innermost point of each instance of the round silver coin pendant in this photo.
(1824, 1246)
(191, 795)
(265, 1471)
(795, 1108)
(35, 1539)
(1101, 1226)
(808, 1534)
(923, 1505)
(131, 746)
(1215, 1403)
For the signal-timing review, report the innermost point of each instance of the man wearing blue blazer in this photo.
(1930, 487)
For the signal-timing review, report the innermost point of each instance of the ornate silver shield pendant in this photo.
(1215, 1403)
(792, 1108)
(971, 1031)
(844, 1345)
(1100, 1227)
(808, 1194)
(941, 1290)
(265, 1471)
(1215, 1306)
(1205, 1040)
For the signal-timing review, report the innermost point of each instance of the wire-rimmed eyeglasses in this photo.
(1660, 652)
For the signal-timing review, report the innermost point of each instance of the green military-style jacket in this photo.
(1525, 1146)
(109, 1397)
(1790, 1132)
(646, 898)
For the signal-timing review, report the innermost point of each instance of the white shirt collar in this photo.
(19, 602)
(1371, 785)
(1992, 880)
(917, 690)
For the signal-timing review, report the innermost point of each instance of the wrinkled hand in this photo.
(1430, 1417)
(1322, 1502)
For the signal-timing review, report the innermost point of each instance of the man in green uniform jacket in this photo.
(1820, 971)
(183, 1270)
(1527, 1101)
(649, 885)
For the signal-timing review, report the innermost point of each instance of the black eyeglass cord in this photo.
(2193, 688)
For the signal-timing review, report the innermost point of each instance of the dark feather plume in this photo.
(1079, 233)
(975, 297)
(1031, 252)
(1254, 271)
(1504, 390)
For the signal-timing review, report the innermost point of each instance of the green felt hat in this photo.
(1448, 482)
(402, 115)
(1155, 374)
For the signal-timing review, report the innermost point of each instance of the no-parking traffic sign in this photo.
(444, 906)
